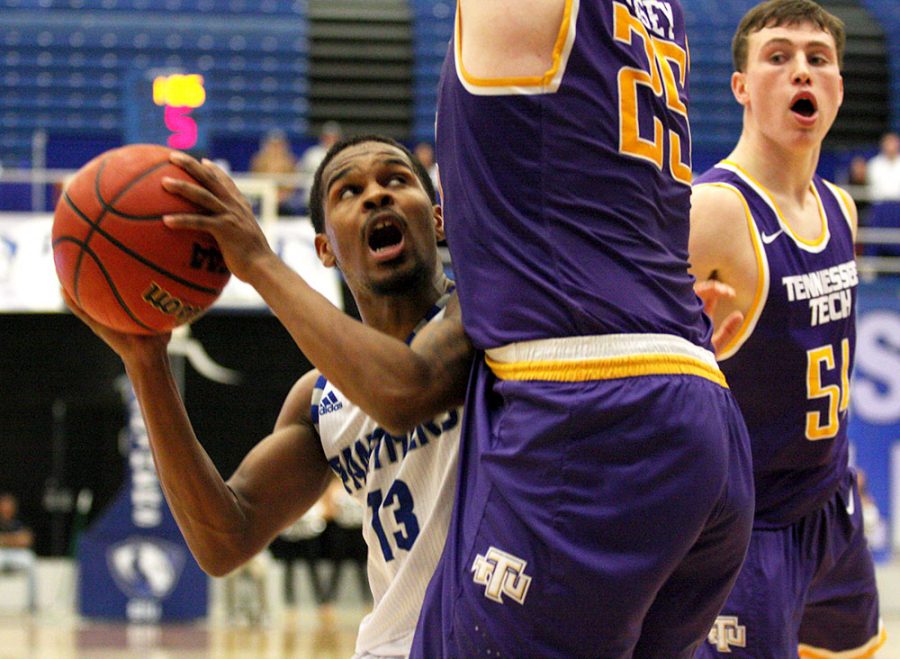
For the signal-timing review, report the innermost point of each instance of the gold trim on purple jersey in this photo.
(814, 246)
(845, 202)
(545, 84)
(864, 652)
(607, 357)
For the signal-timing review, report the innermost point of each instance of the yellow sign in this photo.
(179, 90)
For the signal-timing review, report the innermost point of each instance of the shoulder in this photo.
(848, 205)
(718, 228)
(297, 407)
(715, 203)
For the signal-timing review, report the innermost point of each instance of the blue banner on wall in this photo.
(875, 410)
(133, 562)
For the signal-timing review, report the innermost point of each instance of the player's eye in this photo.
(347, 191)
(777, 58)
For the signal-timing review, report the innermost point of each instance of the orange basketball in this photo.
(117, 259)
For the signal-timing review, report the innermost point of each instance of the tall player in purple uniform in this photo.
(605, 500)
(765, 223)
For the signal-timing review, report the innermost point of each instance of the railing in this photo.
(259, 188)
(263, 189)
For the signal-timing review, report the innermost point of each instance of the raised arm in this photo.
(224, 523)
(509, 38)
(396, 384)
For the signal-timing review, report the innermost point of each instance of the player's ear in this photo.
(324, 251)
(739, 87)
(438, 213)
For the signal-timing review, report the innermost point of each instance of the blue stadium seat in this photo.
(66, 71)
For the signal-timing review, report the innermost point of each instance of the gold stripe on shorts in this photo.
(608, 357)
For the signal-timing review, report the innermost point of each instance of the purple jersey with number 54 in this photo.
(553, 233)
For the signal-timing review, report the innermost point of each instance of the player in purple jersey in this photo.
(605, 496)
(374, 210)
(765, 223)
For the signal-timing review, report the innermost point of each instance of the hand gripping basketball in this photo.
(117, 259)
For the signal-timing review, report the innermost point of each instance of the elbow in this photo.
(218, 566)
(400, 409)
(219, 560)
(407, 414)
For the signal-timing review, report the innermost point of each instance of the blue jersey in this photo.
(789, 366)
(567, 196)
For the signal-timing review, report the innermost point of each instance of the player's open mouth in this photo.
(385, 237)
(804, 105)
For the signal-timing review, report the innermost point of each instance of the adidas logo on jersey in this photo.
(329, 404)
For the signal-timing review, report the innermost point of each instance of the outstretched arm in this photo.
(224, 523)
(396, 384)
(721, 259)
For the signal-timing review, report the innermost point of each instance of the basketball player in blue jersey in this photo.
(764, 222)
(605, 501)
(380, 411)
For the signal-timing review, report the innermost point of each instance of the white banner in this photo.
(28, 278)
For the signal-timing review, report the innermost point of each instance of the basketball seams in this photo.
(109, 207)
(154, 273)
(85, 249)
(104, 208)
(130, 252)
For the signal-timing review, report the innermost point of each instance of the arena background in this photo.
(78, 78)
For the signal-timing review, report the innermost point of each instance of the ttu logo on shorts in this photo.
(501, 574)
(726, 633)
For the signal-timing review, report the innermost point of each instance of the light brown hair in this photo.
(775, 13)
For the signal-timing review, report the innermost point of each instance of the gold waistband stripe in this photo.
(609, 357)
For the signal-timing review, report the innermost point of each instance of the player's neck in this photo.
(784, 172)
(398, 315)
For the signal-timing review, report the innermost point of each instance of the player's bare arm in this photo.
(398, 386)
(224, 524)
(721, 249)
(523, 48)
(282, 476)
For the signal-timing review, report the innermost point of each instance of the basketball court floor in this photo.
(302, 632)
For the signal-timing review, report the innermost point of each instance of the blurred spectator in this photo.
(301, 542)
(343, 541)
(424, 151)
(16, 541)
(857, 172)
(331, 132)
(883, 171)
(246, 592)
(276, 157)
(857, 180)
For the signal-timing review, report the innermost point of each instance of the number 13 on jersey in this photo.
(399, 500)
(657, 75)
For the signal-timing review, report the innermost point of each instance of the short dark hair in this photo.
(775, 13)
(316, 201)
